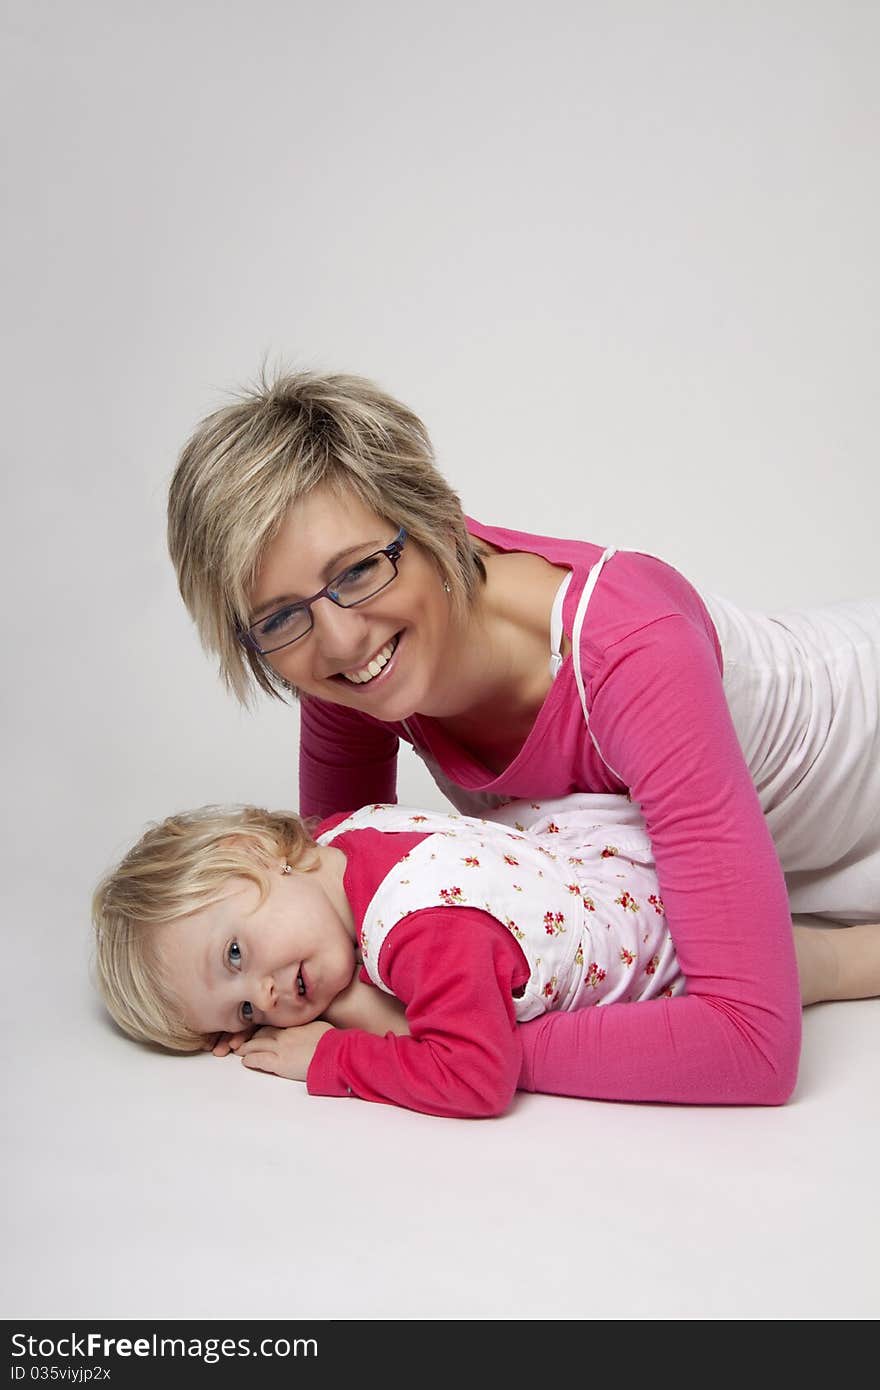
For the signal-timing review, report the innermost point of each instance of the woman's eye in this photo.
(233, 954)
(277, 622)
(358, 571)
(247, 1012)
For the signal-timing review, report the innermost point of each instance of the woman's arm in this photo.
(838, 962)
(346, 759)
(660, 717)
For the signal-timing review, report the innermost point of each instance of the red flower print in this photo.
(509, 859)
(609, 852)
(656, 903)
(588, 903)
(451, 895)
(594, 976)
(627, 901)
(552, 828)
(472, 861)
(553, 923)
(573, 859)
(418, 820)
(651, 967)
(626, 956)
(574, 888)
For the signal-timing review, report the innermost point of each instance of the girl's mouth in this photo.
(301, 988)
(377, 669)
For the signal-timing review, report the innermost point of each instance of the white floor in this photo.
(154, 1187)
(621, 258)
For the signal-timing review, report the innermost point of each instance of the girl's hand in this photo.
(284, 1051)
(224, 1043)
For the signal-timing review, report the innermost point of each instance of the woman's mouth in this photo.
(376, 670)
(301, 988)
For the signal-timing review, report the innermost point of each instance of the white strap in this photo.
(577, 627)
(556, 642)
(556, 627)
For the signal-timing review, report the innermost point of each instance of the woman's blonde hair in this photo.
(247, 464)
(178, 866)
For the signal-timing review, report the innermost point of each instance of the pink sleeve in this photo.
(661, 720)
(455, 970)
(345, 760)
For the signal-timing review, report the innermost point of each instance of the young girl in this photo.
(229, 921)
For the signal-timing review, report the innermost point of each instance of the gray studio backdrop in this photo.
(621, 257)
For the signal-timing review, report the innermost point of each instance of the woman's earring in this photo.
(286, 869)
(446, 586)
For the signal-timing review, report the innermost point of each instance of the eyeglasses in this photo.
(353, 586)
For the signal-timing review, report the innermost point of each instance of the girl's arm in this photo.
(457, 970)
(360, 1006)
(346, 759)
(369, 1008)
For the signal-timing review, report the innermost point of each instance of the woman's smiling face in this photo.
(385, 656)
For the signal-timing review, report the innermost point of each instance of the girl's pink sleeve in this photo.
(661, 720)
(455, 970)
(345, 760)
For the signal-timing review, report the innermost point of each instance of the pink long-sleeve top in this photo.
(652, 668)
(455, 969)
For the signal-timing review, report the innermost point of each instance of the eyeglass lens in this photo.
(355, 585)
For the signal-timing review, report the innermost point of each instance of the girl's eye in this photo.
(247, 1012)
(233, 955)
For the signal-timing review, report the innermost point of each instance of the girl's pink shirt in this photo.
(652, 668)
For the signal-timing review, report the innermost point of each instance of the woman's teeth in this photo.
(372, 669)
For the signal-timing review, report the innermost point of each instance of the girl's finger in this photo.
(260, 1061)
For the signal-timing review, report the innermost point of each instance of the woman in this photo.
(319, 551)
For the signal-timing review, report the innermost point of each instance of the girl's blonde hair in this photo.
(179, 865)
(247, 464)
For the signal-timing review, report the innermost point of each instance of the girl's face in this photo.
(407, 624)
(240, 962)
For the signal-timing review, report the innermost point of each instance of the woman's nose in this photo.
(342, 634)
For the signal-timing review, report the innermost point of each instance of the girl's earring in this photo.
(286, 869)
(446, 586)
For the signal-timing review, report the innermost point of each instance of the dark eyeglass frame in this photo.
(330, 591)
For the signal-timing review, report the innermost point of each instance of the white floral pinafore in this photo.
(573, 881)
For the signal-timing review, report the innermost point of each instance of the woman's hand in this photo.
(284, 1051)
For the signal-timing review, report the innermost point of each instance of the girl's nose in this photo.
(267, 994)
